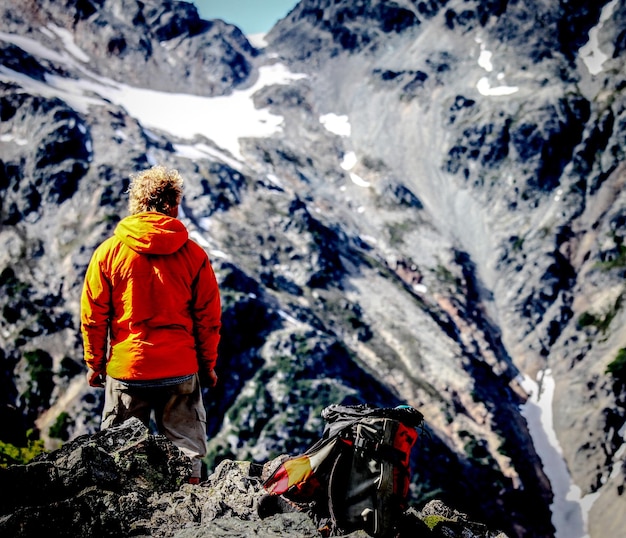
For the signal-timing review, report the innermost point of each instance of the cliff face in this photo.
(424, 204)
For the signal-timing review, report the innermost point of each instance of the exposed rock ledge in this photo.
(125, 481)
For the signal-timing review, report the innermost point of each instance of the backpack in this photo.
(357, 475)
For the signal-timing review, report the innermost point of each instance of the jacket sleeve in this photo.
(95, 315)
(207, 314)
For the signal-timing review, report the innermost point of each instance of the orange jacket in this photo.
(152, 292)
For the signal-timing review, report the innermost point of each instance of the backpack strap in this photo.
(381, 450)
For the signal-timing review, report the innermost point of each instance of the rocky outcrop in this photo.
(125, 481)
(199, 57)
(91, 485)
(439, 213)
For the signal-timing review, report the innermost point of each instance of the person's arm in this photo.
(94, 318)
(207, 315)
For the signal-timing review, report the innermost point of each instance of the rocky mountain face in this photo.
(437, 213)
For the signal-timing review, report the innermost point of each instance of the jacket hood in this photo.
(152, 233)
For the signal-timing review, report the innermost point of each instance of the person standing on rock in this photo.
(151, 317)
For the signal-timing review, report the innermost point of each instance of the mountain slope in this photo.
(426, 209)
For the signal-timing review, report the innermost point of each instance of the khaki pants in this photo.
(179, 413)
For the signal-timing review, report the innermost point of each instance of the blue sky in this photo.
(250, 16)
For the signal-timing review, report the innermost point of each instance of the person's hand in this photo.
(211, 378)
(95, 379)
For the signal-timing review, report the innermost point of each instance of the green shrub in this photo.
(603, 321)
(617, 368)
(60, 428)
(518, 243)
(586, 320)
(619, 261)
(70, 368)
(41, 382)
(433, 521)
(14, 455)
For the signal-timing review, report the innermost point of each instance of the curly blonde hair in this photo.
(156, 189)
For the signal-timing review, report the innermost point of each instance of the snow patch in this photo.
(339, 125)
(359, 181)
(10, 138)
(348, 163)
(224, 120)
(349, 160)
(204, 151)
(569, 510)
(273, 179)
(419, 288)
(485, 88)
(483, 85)
(558, 195)
(288, 317)
(34, 47)
(218, 254)
(484, 60)
(257, 40)
(199, 238)
(68, 42)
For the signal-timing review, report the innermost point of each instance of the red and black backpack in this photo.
(357, 475)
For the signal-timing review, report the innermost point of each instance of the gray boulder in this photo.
(93, 486)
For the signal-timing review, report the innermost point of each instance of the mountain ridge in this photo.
(412, 264)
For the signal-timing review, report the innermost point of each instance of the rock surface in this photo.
(126, 482)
